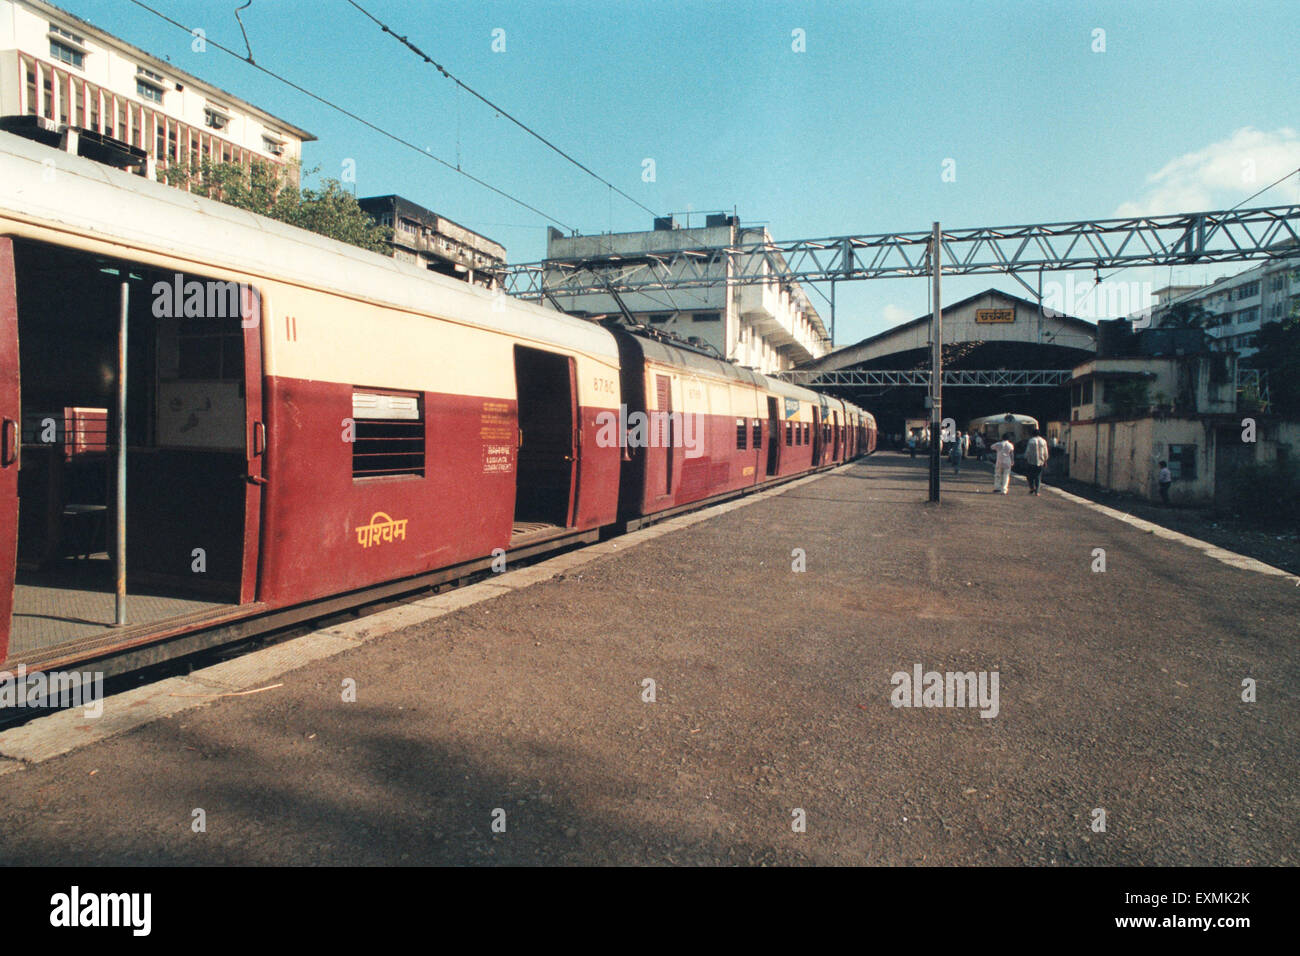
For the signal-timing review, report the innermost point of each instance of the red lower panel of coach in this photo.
(329, 528)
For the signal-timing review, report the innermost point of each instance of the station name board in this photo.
(994, 316)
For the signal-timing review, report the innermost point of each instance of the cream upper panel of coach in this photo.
(330, 338)
(159, 224)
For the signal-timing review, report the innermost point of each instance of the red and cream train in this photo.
(351, 425)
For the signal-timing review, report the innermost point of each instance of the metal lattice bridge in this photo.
(997, 378)
(1230, 235)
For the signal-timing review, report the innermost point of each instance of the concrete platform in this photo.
(1119, 690)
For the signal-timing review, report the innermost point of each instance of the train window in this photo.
(805, 432)
(789, 434)
(209, 352)
(387, 434)
(740, 433)
(758, 433)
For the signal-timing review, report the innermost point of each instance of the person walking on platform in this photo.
(1166, 478)
(954, 454)
(1006, 457)
(1035, 459)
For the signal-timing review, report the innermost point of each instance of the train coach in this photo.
(309, 426)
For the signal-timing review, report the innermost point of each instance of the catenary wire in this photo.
(460, 83)
(346, 112)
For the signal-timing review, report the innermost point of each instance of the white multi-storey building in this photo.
(64, 72)
(1239, 305)
(767, 326)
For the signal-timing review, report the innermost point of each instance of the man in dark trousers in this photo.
(1035, 459)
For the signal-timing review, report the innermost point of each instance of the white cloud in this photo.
(1220, 175)
(895, 315)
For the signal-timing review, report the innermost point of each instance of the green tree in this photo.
(1127, 397)
(1185, 315)
(1279, 358)
(269, 190)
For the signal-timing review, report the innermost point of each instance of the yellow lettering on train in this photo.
(382, 529)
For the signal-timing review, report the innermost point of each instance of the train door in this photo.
(254, 441)
(10, 416)
(664, 429)
(181, 498)
(835, 427)
(773, 437)
(547, 469)
(818, 444)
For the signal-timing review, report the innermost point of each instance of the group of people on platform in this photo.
(1036, 455)
(966, 445)
(1004, 452)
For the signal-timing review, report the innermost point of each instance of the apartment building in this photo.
(60, 73)
(768, 326)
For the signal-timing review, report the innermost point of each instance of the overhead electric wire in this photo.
(1261, 192)
(348, 113)
(523, 126)
(1266, 188)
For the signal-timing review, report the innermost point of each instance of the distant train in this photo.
(993, 428)
(310, 425)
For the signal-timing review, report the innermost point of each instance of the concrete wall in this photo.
(1163, 383)
(1125, 455)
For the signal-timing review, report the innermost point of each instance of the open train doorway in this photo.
(191, 466)
(774, 436)
(818, 435)
(546, 472)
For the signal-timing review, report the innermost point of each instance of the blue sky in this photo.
(1191, 105)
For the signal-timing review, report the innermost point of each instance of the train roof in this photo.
(792, 391)
(690, 358)
(115, 206)
(1008, 419)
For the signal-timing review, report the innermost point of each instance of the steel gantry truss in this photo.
(997, 378)
(1248, 379)
(1200, 237)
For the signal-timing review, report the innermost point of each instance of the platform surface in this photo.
(1118, 691)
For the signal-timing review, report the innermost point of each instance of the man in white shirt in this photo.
(1035, 459)
(1166, 478)
(1006, 457)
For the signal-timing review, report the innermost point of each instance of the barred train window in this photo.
(789, 433)
(388, 434)
(740, 433)
(758, 433)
